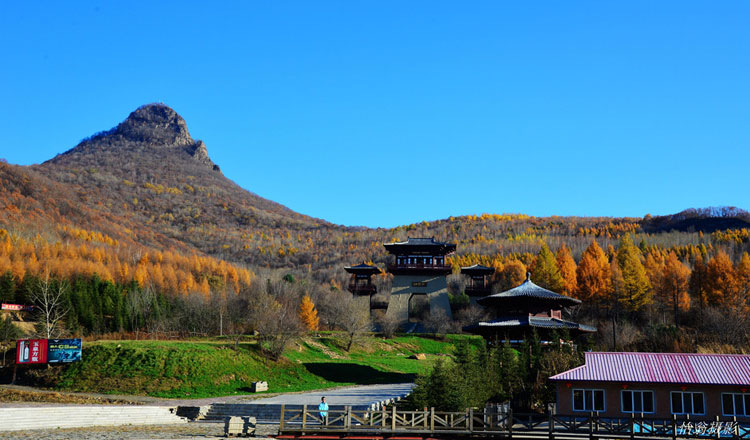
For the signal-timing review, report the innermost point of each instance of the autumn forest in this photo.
(177, 249)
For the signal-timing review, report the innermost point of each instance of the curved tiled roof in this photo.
(478, 268)
(528, 290)
(420, 244)
(530, 321)
(683, 368)
(363, 268)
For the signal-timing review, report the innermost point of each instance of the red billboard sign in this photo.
(31, 351)
(19, 307)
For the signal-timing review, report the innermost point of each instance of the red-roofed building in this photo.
(657, 384)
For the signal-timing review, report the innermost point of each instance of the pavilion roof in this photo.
(478, 269)
(527, 291)
(363, 269)
(420, 245)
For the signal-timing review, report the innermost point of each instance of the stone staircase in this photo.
(264, 413)
(52, 417)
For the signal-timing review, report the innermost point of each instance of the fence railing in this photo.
(391, 421)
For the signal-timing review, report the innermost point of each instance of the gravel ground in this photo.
(186, 431)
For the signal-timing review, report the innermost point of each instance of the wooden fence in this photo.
(390, 422)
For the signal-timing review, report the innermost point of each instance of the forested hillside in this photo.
(142, 206)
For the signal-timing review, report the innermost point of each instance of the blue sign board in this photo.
(63, 350)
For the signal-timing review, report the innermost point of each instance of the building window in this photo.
(588, 400)
(735, 404)
(637, 401)
(687, 403)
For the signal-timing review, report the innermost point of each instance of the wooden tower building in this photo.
(361, 285)
(477, 283)
(419, 286)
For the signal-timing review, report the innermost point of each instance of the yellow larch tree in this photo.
(307, 314)
(637, 290)
(672, 286)
(544, 270)
(722, 282)
(567, 266)
(742, 271)
(594, 275)
(511, 275)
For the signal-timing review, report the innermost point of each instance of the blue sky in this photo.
(387, 113)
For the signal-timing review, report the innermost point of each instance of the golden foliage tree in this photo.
(636, 289)
(567, 266)
(511, 275)
(544, 270)
(308, 315)
(594, 274)
(742, 271)
(698, 283)
(672, 286)
(722, 281)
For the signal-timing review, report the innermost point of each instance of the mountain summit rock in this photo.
(149, 175)
(152, 131)
(157, 124)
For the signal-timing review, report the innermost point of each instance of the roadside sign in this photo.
(63, 350)
(17, 307)
(31, 351)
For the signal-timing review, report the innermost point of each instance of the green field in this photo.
(207, 368)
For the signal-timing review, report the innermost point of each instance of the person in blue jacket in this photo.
(323, 408)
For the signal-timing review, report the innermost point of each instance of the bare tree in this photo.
(237, 315)
(471, 315)
(273, 314)
(354, 320)
(388, 325)
(219, 302)
(50, 300)
(456, 284)
(439, 323)
(139, 303)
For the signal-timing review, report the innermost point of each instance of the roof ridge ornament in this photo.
(528, 276)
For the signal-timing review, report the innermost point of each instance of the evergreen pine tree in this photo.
(7, 288)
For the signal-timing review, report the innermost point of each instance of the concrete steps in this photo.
(267, 413)
(51, 417)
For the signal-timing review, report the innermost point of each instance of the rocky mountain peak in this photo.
(199, 153)
(151, 132)
(155, 124)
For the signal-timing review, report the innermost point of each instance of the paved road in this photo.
(354, 395)
(357, 395)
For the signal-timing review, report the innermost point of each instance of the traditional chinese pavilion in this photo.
(360, 282)
(477, 277)
(526, 307)
(361, 285)
(419, 278)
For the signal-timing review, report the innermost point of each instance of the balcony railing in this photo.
(418, 267)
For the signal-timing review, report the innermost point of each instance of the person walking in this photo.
(323, 408)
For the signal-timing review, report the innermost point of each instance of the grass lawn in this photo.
(208, 368)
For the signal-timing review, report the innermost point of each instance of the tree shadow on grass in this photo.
(355, 373)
